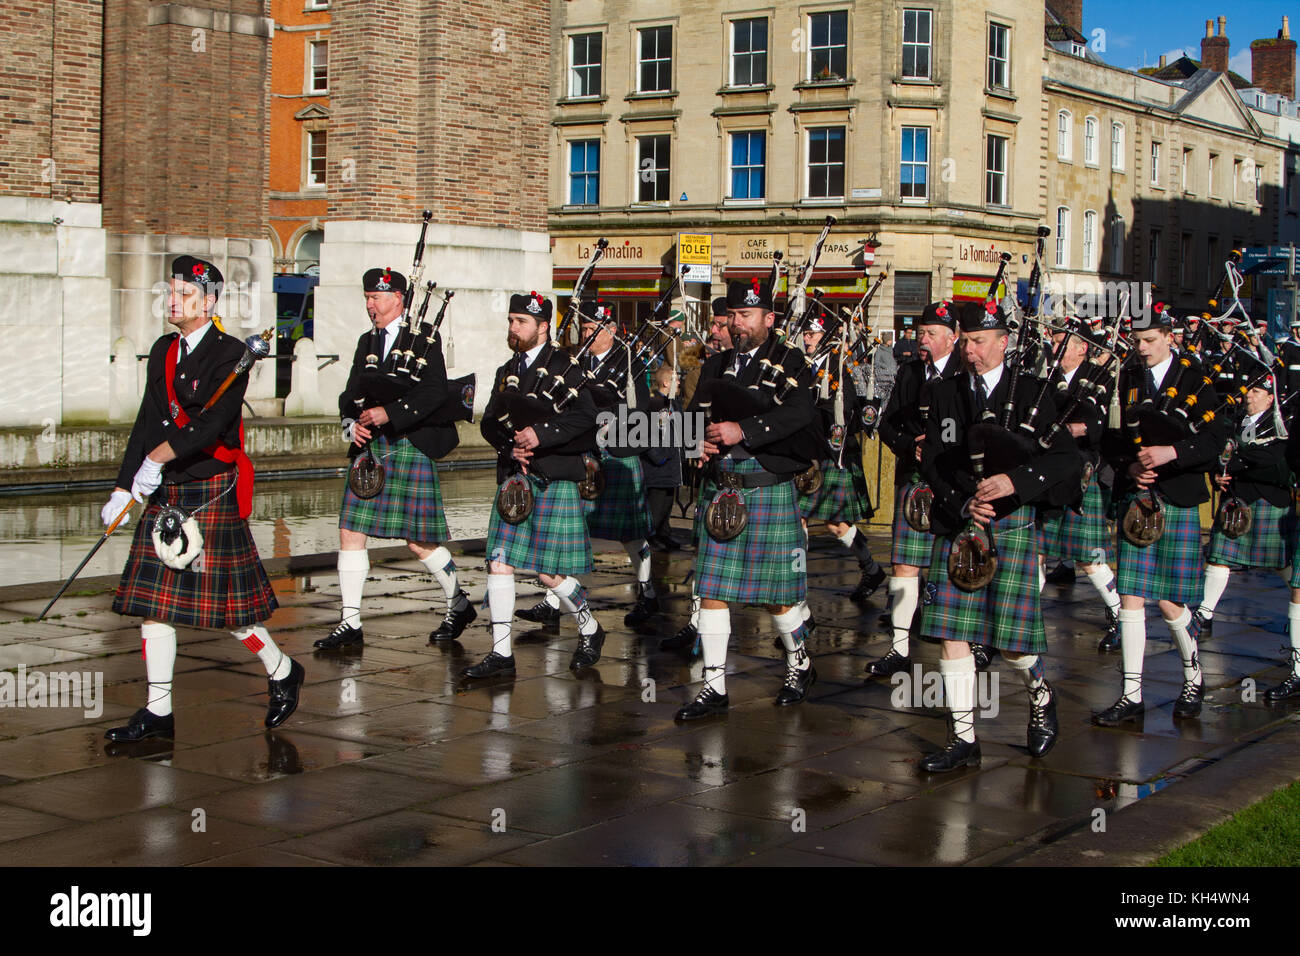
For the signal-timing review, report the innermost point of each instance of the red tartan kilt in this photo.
(231, 591)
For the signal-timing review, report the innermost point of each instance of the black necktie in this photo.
(521, 363)
(1151, 384)
(981, 395)
(931, 373)
(185, 350)
(741, 361)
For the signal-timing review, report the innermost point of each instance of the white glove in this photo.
(147, 479)
(114, 508)
(349, 430)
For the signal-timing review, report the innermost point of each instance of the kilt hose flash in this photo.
(408, 507)
(229, 591)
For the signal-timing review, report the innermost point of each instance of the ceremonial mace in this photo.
(255, 347)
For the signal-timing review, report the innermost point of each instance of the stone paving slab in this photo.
(393, 759)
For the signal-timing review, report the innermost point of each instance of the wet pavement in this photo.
(392, 760)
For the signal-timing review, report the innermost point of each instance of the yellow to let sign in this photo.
(694, 249)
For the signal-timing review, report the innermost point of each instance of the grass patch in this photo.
(1265, 834)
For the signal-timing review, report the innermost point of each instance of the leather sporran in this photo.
(726, 516)
(917, 506)
(515, 500)
(973, 560)
(366, 476)
(809, 482)
(1233, 518)
(593, 486)
(1144, 521)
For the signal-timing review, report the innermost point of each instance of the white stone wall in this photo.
(54, 313)
(138, 266)
(483, 266)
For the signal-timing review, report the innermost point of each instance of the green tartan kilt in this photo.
(1263, 546)
(1293, 552)
(843, 496)
(1172, 569)
(910, 546)
(408, 507)
(1006, 613)
(552, 540)
(767, 562)
(620, 513)
(1081, 536)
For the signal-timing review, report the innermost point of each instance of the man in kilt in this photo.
(547, 456)
(1079, 532)
(753, 449)
(402, 422)
(1156, 454)
(1290, 686)
(184, 456)
(967, 428)
(619, 511)
(902, 428)
(1256, 474)
(842, 500)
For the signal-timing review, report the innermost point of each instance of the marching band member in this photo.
(398, 419)
(183, 455)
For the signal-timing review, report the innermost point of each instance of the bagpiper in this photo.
(834, 489)
(1290, 685)
(751, 551)
(902, 428)
(1079, 533)
(537, 523)
(193, 562)
(971, 431)
(1252, 524)
(396, 418)
(614, 493)
(1160, 467)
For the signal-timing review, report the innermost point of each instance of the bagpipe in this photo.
(416, 344)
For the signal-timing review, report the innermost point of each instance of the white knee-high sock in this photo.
(804, 610)
(501, 610)
(904, 595)
(258, 640)
(443, 569)
(552, 599)
(1133, 648)
(573, 600)
(791, 628)
(959, 685)
(715, 631)
(1216, 582)
(638, 552)
(1293, 619)
(1186, 646)
(159, 662)
(1103, 579)
(353, 568)
(1033, 674)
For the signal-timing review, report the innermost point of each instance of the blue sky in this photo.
(1138, 29)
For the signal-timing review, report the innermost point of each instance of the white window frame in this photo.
(1090, 240)
(309, 139)
(666, 170)
(731, 166)
(992, 176)
(640, 60)
(1155, 162)
(1062, 257)
(1064, 135)
(1117, 147)
(731, 53)
(914, 200)
(1090, 127)
(808, 163)
(599, 65)
(312, 46)
(569, 173)
(1185, 174)
(928, 44)
(808, 65)
(1004, 60)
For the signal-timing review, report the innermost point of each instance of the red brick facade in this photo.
(1272, 66)
(452, 121)
(50, 66)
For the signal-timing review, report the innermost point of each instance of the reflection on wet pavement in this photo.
(392, 759)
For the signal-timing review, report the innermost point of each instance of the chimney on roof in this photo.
(1214, 48)
(1164, 61)
(1070, 12)
(1272, 63)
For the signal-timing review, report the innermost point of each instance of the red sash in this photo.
(236, 456)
